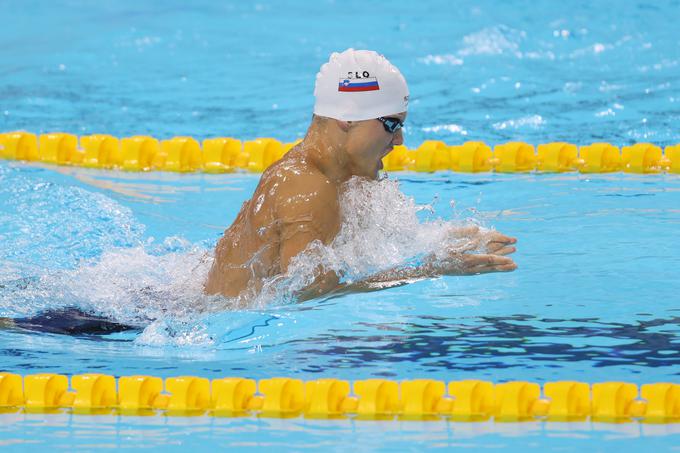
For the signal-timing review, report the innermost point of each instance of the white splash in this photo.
(489, 41)
(159, 286)
(446, 59)
(453, 128)
(131, 285)
(593, 49)
(493, 41)
(607, 112)
(380, 231)
(532, 121)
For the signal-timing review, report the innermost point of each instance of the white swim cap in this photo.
(359, 85)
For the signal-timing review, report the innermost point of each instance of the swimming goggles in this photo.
(391, 124)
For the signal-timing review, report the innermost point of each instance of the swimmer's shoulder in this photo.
(294, 185)
(292, 176)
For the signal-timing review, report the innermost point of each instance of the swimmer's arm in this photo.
(463, 259)
(456, 265)
(305, 218)
(324, 282)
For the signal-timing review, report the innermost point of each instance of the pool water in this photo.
(595, 297)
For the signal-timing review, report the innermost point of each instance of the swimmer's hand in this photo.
(483, 241)
(474, 251)
(455, 264)
(473, 264)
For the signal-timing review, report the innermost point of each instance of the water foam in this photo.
(158, 285)
(64, 246)
(496, 40)
(381, 231)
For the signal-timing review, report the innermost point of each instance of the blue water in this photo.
(595, 295)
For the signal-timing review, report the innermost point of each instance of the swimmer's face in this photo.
(368, 142)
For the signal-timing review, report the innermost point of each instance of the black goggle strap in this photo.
(391, 124)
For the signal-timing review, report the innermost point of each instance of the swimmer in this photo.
(360, 108)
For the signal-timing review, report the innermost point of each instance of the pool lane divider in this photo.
(224, 154)
(370, 399)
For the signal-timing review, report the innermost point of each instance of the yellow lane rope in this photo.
(222, 155)
(282, 397)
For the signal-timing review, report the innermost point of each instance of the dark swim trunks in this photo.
(67, 321)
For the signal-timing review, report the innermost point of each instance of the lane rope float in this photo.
(370, 399)
(224, 154)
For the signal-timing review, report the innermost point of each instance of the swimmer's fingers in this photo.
(503, 268)
(500, 249)
(484, 260)
(497, 242)
(490, 242)
(496, 268)
(500, 238)
(494, 247)
(482, 264)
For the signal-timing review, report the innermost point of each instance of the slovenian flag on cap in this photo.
(365, 84)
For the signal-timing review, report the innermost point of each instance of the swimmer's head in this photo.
(368, 98)
(357, 85)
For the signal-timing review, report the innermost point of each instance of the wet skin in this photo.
(297, 202)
